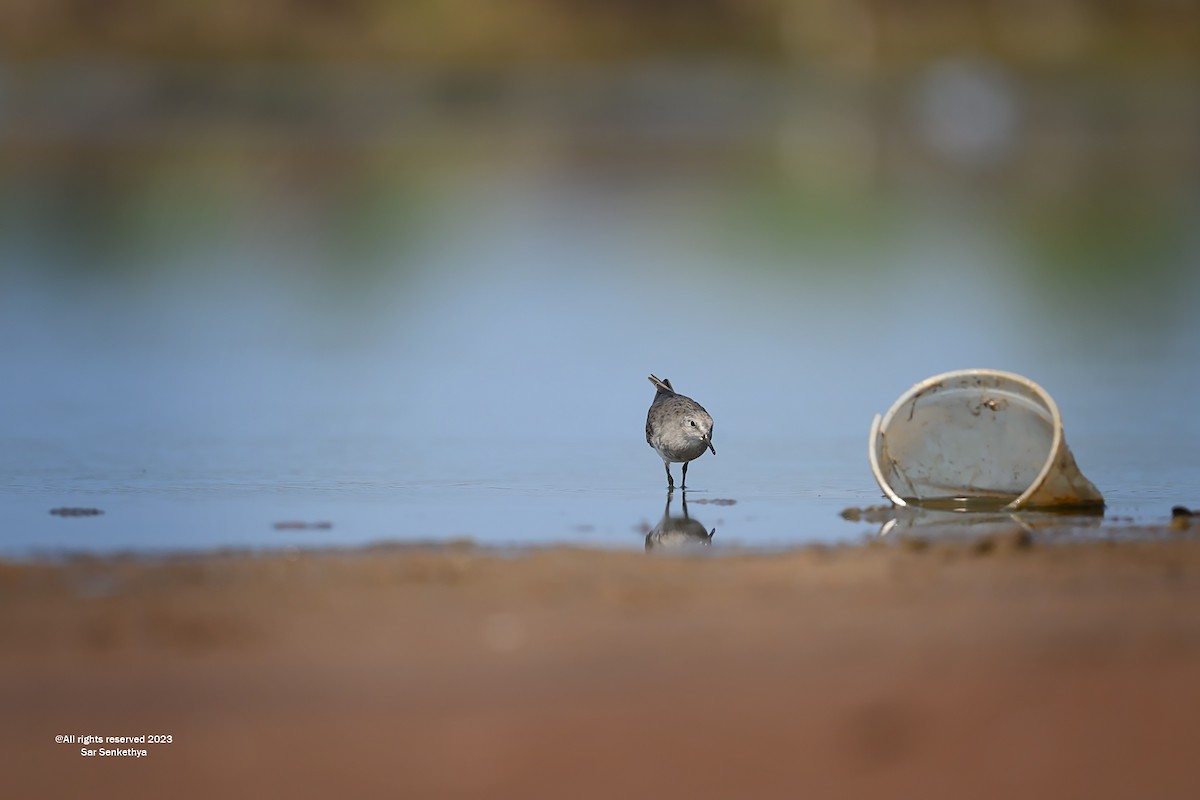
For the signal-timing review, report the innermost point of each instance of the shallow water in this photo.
(611, 498)
(204, 341)
(526, 431)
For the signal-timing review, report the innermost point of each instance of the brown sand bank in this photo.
(1051, 671)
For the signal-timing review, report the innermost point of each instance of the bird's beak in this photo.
(710, 447)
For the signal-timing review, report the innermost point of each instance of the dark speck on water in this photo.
(76, 512)
(1181, 518)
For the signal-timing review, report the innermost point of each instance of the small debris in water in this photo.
(716, 501)
(1181, 518)
(297, 525)
(869, 514)
(76, 512)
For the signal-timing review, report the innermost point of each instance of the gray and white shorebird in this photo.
(678, 428)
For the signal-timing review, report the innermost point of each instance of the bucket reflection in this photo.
(948, 522)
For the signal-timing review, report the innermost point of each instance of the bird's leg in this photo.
(683, 483)
(670, 480)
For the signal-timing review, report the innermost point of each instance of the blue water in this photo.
(204, 342)
(509, 409)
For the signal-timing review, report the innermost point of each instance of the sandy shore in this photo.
(932, 672)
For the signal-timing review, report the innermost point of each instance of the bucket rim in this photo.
(880, 425)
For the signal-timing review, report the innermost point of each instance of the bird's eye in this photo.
(692, 422)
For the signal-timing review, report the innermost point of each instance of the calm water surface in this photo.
(204, 342)
(510, 412)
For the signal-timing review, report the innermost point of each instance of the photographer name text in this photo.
(93, 746)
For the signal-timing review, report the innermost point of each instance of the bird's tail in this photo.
(663, 385)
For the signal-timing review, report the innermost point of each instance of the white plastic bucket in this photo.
(977, 439)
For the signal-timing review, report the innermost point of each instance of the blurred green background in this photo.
(138, 123)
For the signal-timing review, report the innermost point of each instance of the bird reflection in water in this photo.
(672, 533)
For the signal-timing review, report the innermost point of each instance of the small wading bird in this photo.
(678, 428)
